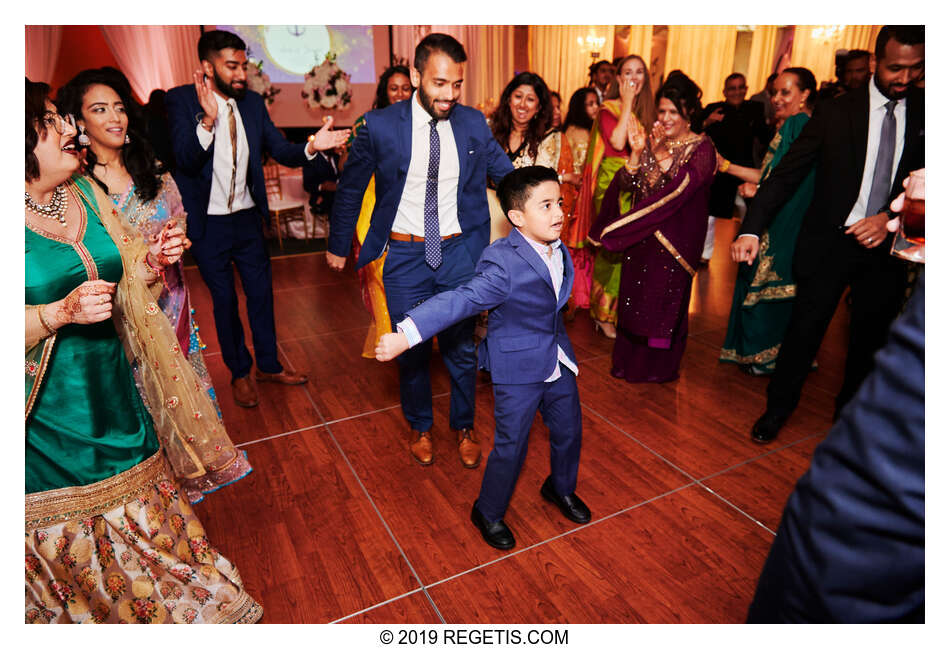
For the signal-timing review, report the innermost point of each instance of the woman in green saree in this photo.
(108, 534)
(628, 99)
(765, 288)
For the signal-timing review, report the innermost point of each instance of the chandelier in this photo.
(827, 32)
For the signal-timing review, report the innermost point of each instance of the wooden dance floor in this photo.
(337, 523)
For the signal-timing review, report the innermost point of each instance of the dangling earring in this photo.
(83, 139)
(127, 140)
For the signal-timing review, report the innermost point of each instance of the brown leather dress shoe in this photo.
(245, 394)
(469, 450)
(420, 447)
(287, 377)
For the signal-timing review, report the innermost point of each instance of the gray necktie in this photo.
(430, 209)
(881, 183)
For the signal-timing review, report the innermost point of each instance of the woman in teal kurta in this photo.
(71, 439)
(108, 535)
(765, 291)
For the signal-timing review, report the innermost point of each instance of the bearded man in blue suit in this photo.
(220, 132)
(430, 157)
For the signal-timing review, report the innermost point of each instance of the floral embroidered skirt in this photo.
(128, 549)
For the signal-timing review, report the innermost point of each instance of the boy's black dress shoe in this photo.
(497, 534)
(571, 506)
(767, 426)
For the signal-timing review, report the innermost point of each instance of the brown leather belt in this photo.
(399, 236)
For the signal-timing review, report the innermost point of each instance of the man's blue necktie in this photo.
(430, 209)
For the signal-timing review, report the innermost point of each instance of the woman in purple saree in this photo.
(669, 174)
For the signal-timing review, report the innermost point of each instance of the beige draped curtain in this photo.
(634, 39)
(818, 54)
(490, 52)
(761, 56)
(706, 53)
(860, 37)
(154, 56)
(42, 51)
(553, 53)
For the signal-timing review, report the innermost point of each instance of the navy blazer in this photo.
(850, 547)
(194, 164)
(525, 326)
(383, 147)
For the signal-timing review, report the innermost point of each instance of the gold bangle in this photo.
(724, 166)
(155, 270)
(46, 325)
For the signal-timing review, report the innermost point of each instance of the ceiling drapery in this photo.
(816, 51)
(554, 53)
(42, 51)
(706, 53)
(154, 56)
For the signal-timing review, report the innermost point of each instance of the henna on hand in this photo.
(70, 306)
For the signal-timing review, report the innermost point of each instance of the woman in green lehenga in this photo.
(629, 99)
(108, 535)
(765, 289)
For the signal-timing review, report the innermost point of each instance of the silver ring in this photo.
(870, 239)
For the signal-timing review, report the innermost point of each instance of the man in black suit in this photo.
(601, 74)
(857, 69)
(734, 126)
(863, 145)
(220, 131)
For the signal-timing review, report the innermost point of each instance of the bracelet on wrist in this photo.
(43, 321)
(156, 269)
(724, 166)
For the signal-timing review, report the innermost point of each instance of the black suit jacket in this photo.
(834, 141)
(739, 128)
(195, 165)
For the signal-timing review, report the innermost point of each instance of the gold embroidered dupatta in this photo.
(186, 422)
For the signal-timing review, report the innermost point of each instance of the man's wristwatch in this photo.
(200, 117)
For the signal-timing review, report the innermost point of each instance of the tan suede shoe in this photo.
(245, 393)
(469, 450)
(287, 377)
(420, 446)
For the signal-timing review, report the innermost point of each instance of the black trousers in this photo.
(876, 280)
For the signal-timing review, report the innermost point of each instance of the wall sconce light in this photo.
(592, 44)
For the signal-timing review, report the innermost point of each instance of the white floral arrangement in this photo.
(259, 82)
(327, 86)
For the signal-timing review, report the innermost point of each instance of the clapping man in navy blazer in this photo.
(431, 157)
(220, 131)
(525, 280)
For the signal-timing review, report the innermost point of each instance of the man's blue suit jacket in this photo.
(194, 171)
(383, 147)
(525, 326)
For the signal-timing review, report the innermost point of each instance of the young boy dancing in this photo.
(524, 280)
